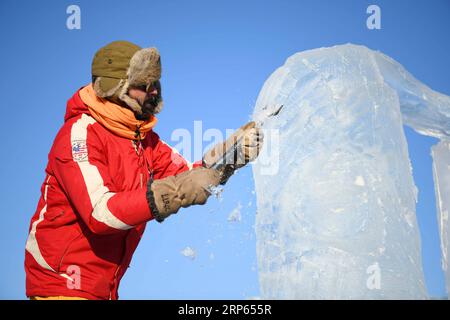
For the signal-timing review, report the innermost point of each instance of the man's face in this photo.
(147, 97)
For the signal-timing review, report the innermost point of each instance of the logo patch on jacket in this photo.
(79, 150)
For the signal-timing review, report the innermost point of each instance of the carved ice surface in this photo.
(338, 219)
(441, 175)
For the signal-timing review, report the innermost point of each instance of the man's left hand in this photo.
(240, 148)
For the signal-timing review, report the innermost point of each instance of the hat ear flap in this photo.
(145, 67)
(132, 103)
(105, 87)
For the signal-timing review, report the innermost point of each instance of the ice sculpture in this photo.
(337, 220)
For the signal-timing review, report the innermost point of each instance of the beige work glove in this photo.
(240, 148)
(166, 196)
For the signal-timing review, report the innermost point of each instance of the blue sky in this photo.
(216, 56)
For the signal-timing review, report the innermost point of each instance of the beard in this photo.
(151, 106)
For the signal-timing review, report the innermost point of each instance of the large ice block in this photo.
(441, 175)
(338, 219)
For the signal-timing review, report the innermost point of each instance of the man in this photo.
(108, 174)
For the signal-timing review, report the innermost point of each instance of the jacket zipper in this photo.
(137, 145)
(67, 250)
(139, 152)
(115, 279)
(142, 160)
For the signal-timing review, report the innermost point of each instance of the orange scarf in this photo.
(117, 119)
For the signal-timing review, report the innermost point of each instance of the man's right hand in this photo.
(166, 196)
(243, 145)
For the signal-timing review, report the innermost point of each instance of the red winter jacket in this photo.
(93, 208)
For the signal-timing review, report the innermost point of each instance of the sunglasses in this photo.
(149, 87)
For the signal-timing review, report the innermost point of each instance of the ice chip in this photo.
(189, 253)
(235, 215)
(216, 191)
